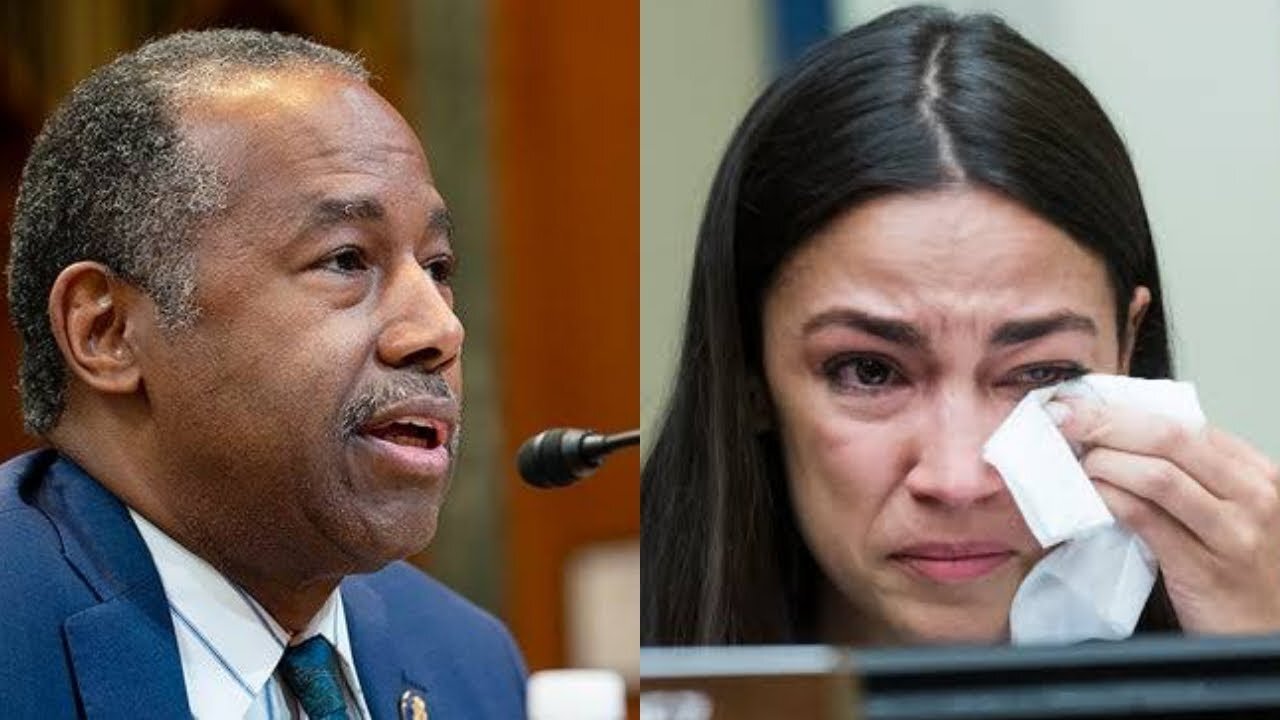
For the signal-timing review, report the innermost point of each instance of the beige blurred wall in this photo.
(701, 64)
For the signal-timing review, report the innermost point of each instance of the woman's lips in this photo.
(954, 562)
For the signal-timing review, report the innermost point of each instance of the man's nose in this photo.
(422, 328)
(949, 469)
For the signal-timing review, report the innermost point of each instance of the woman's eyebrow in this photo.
(898, 332)
(1016, 332)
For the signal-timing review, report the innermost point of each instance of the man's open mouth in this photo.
(411, 438)
(412, 432)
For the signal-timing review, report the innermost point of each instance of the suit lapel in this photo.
(384, 676)
(125, 658)
(123, 650)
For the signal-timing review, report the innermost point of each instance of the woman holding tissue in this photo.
(920, 223)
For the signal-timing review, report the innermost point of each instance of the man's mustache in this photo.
(372, 397)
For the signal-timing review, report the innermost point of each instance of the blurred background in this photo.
(1193, 87)
(529, 113)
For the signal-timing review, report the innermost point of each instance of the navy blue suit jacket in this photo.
(85, 629)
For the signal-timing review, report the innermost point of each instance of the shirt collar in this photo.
(246, 637)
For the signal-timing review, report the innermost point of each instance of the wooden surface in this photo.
(566, 148)
(814, 697)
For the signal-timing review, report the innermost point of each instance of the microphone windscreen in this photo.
(544, 462)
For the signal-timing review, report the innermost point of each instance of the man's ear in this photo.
(1138, 305)
(90, 310)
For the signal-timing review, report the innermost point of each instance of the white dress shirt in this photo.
(229, 646)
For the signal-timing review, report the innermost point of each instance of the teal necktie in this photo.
(310, 669)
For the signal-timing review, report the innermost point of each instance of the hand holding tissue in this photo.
(1183, 487)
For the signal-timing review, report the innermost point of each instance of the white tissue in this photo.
(1056, 498)
(1095, 583)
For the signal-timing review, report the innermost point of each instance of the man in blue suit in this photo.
(231, 274)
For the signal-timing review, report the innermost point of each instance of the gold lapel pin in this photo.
(412, 706)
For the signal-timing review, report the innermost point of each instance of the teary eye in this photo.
(860, 373)
(1044, 375)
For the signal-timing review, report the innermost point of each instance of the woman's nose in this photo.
(949, 469)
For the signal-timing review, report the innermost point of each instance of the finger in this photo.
(1262, 497)
(1124, 428)
(1169, 539)
(1237, 447)
(1166, 485)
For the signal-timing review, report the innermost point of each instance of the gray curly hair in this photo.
(112, 179)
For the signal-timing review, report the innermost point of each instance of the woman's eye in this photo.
(346, 260)
(1043, 375)
(858, 372)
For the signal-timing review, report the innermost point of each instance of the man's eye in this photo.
(861, 373)
(346, 260)
(441, 269)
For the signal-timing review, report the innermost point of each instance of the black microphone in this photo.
(562, 456)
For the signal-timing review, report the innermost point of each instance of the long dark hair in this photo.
(915, 100)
